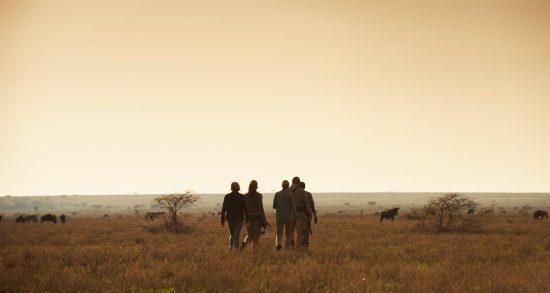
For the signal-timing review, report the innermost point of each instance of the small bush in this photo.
(525, 210)
(447, 213)
(166, 225)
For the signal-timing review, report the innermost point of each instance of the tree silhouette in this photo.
(447, 213)
(174, 202)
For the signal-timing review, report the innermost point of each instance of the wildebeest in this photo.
(20, 219)
(388, 214)
(31, 218)
(470, 211)
(150, 216)
(63, 218)
(48, 218)
(539, 215)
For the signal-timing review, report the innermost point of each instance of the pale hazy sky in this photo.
(157, 96)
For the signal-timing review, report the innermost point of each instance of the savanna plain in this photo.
(348, 253)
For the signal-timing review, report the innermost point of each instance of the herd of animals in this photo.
(34, 218)
(389, 214)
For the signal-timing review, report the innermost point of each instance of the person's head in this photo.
(302, 185)
(285, 184)
(253, 186)
(296, 180)
(235, 186)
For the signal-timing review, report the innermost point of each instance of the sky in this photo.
(106, 97)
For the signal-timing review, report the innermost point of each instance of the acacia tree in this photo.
(174, 202)
(448, 213)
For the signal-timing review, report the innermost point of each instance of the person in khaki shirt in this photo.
(256, 215)
(311, 203)
(300, 223)
(285, 212)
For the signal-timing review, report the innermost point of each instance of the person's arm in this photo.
(307, 206)
(224, 209)
(312, 204)
(313, 208)
(275, 201)
(262, 213)
(245, 210)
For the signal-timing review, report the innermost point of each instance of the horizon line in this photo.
(270, 192)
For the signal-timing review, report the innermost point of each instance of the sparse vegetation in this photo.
(347, 254)
(525, 210)
(173, 203)
(447, 213)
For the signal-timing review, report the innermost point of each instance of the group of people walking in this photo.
(294, 209)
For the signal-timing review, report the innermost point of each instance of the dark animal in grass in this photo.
(48, 218)
(31, 218)
(470, 211)
(388, 214)
(151, 216)
(539, 215)
(63, 218)
(20, 219)
(1, 218)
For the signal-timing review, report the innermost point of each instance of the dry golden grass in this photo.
(348, 253)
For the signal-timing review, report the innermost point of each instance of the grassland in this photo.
(348, 253)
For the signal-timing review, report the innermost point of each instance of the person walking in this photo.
(234, 211)
(285, 212)
(300, 225)
(256, 215)
(311, 203)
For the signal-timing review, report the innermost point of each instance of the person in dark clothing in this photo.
(255, 215)
(311, 202)
(234, 211)
(301, 222)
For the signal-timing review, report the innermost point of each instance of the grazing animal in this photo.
(20, 219)
(539, 215)
(470, 211)
(1, 218)
(31, 218)
(151, 216)
(63, 218)
(48, 218)
(388, 214)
